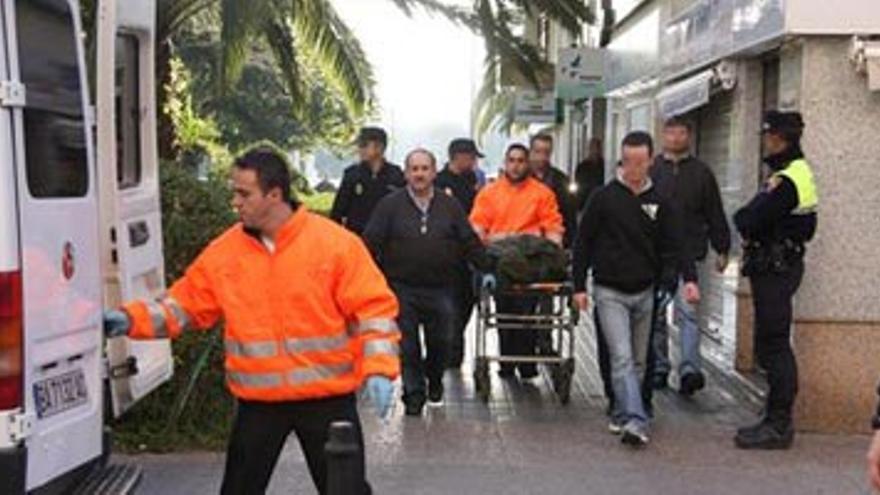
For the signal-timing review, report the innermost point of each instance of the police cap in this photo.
(463, 145)
(372, 135)
(789, 125)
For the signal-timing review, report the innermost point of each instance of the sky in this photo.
(427, 71)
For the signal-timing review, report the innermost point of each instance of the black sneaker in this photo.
(507, 371)
(634, 435)
(765, 437)
(692, 383)
(528, 371)
(435, 393)
(413, 405)
(660, 381)
(750, 430)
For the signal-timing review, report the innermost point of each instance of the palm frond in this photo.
(325, 36)
(171, 14)
(570, 14)
(241, 21)
(456, 14)
(281, 40)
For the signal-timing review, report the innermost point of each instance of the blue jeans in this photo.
(687, 319)
(626, 324)
(433, 308)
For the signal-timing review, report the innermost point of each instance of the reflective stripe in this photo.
(320, 372)
(254, 380)
(314, 344)
(157, 318)
(383, 325)
(252, 349)
(383, 347)
(178, 312)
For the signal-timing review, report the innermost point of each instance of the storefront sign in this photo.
(580, 73)
(713, 29)
(532, 107)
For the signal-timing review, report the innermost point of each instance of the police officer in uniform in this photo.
(459, 180)
(365, 183)
(775, 225)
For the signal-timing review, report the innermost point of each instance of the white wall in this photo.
(832, 17)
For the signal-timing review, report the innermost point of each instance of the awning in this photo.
(686, 95)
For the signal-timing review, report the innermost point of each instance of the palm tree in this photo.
(299, 30)
(498, 21)
(296, 32)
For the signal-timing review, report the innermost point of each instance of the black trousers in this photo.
(261, 429)
(432, 308)
(772, 295)
(518, 342)
(465, 299)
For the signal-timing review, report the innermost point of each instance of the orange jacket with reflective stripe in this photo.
(309, 320)
(503, 208)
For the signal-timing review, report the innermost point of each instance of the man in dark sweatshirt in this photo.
(631, 241)
(689, 183)
(540, 156)
(419, 238)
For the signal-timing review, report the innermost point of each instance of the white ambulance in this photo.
(80, 231)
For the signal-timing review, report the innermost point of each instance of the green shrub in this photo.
(320, 203)
(193, 410)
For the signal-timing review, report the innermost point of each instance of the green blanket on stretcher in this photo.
(527, 259)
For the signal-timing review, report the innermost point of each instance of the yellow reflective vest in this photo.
(800, 173)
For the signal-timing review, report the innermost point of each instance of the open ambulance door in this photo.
(128, 170)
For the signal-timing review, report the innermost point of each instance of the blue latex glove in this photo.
(489, 282)
(116, 323)
(380, 391)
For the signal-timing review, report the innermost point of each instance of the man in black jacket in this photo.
(690, 184)
(459, 181)
(540, 154)
(367, 182)
(630, 238)
(419, 238)
(589, 174)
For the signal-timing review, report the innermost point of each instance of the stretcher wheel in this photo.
(563, 376)
(481, 379)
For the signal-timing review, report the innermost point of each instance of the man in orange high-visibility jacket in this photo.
(517, 204)
(308, 318)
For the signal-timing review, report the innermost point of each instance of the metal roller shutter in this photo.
(714, 125)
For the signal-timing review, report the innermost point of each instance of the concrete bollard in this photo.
(342, 450)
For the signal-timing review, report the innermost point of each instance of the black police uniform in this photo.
(360, 192)
(774, 234)
(462, 187)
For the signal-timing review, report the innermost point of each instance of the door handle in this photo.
(138, 233)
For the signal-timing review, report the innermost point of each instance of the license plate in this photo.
(60, 393)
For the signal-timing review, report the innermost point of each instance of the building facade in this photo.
(721, 64)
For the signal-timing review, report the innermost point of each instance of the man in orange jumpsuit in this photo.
(517, 204)
(307, 317)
